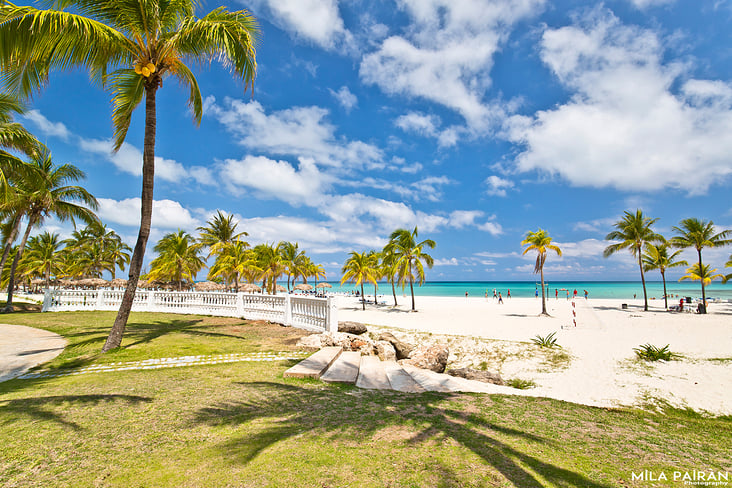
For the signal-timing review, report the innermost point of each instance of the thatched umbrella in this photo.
(323, 285)
(250, 288)
(93, 282)
(303, 287)
(280, 288)
(119, 283)
(208, 286)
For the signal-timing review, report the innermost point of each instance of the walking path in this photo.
(22, 348)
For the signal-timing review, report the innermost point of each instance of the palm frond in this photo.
(128, 89)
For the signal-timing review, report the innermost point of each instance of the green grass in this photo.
(649, 352)
(548, 341)
(242, 424)
(520, 383)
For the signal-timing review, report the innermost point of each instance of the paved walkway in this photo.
(22, 348)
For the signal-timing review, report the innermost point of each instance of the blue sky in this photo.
(477, 121)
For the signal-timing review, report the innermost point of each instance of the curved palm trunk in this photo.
(236, 282)
(114, 339)
(543, 295)
(16, 259)
(665, 295)
(363, 298)
(393, 292)
(375, 302)
(11, 237)
(643, 280)
(411, 289)
(704, 293)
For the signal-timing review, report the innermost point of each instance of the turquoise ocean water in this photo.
(623, 290)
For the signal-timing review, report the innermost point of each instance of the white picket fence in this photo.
(310, 313)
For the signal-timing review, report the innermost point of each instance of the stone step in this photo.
(371, 374)
(344, 369)
(401, 380)
(315, 365)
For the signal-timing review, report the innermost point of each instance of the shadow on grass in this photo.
(284, 411)
(47, 408)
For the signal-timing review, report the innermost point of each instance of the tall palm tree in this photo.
(219, 231)
(179, 258)
(378, 271)
(131, 46)
(232, 262)
(389, 269)
(42, 256)
(699, 234)
(540, 242)
(294, 260)
(408, 257)
(46, 192)
(360, 268)
(633, 231)
(272, 266)
(95, 249)
(702, 273)
(657, 256)
(728, 264)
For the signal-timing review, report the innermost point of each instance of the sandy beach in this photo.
(602, 370)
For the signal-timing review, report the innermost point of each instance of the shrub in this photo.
(548, 341)
(649, 352)
(520, 383)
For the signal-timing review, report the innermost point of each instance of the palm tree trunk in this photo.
(375, 302)
(114, 339)
(16, 259)
(543, 295)
(665, 295)
(363, 298)
(411, 289)
(11, 237)
(643, 280)
(704, 294)
(393, 292)
(236, 282)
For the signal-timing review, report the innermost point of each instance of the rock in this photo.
(356, 328)
(349, 342)
(403, 350)
(474, 374)
(433, 358)
(313, 341)
(385, 350)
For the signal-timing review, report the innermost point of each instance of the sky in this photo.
(474, 120)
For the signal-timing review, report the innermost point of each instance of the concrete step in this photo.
(401, 380)
(344, 369)
(371, 374)
(315, 365)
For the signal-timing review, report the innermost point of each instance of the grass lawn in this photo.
(242, 424)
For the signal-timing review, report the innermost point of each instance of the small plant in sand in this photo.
(649, 352)
(520, 383)
(548, 341)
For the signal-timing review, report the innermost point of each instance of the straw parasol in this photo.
(118, 283)
(93, 282)
(304, 287)
(323, 285)
(208, 286)
(249, 288)
(280, 288)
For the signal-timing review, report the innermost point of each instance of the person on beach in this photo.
(586, 294)
(486, 294)
(536, 292)
(567, 293)
(466, 294)
(556, 294)
(575, 293)
(500, 298)
(508, 293)
(495, 295)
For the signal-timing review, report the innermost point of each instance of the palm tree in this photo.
(232, 262)
(699, 234)
(389, 270)
(130, 46)
(408, 257)
(657, 257)
(45, 192)
(219, 231)
(728, 264)
(96, 249)
(294, 260)
(540, 242)
(179, 258)
(360, 268)
(633, 231)
(13, 136)
(703, 274)
(378, 271)
(42, 257)
(272, 265)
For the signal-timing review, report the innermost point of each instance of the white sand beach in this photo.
(603, 370)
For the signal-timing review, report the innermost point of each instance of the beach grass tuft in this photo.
(649, 352)
(549, 341)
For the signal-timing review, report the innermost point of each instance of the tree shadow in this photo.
(45, 408)
(283, 411)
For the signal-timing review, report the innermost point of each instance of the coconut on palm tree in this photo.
(408, 257)
(540, 242)
(699, 234)
(179, 258)
(633, 232)
(656, 256)
(131, 47)
(44, 191)
(360, 268)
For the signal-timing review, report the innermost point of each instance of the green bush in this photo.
(548, 341)
(520, 383)
(649, 352)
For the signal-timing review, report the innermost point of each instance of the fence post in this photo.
(240, 305)
(150, 300)
(331, 318)
(288, 310)
(100, 300)
(46, 300)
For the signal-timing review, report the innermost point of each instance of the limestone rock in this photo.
(312, 341)
(433, 358)
(349, 342)
(356, 328)
(403, 350)
(385, 350)
(474, 374)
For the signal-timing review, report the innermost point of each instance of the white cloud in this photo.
(345, 98)
(492, 228)
(447, 262)
(587, 248)
(644, 4)
(167, 214)
(47, 128)
(497, 186)
(447, 53)
(464, 218)
(625, 127)
(298, 132)
(318, 21)
(418, 123)
(275, 178)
